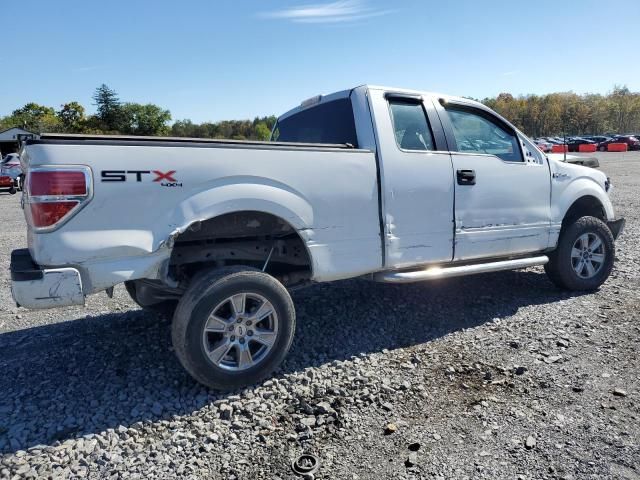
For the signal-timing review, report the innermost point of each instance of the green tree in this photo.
(109, 111)
(262, 132)
(33, 117)
(71, 116)
(146, 119)
(184, 128)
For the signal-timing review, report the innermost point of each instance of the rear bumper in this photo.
(35, 287)
(616, 227)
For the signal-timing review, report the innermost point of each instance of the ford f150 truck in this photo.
(387, 184)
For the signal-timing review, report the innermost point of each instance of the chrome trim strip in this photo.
(434, 273)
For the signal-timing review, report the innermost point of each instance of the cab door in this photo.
(502, 185)
(416, 176)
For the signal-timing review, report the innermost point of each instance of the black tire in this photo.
(207, 291)
(165, 309)
(602, 148)
(560, 268)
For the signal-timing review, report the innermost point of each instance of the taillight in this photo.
(54, 194)
(57, 182)
(47, 214)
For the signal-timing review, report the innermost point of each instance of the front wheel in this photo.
(584, 257)
(233, 327)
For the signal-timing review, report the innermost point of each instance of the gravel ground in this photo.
(494, 376)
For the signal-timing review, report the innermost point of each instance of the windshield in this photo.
(330, 122)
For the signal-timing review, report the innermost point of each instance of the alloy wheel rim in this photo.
(240, 331)
(588, 255)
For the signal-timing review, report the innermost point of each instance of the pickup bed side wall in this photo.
(328, 195)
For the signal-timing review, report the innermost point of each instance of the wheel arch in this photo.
(583, 196)
(246, 237)
(587, 205)
(583, 193)
(257, 200)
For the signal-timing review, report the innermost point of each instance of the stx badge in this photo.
(166, 179)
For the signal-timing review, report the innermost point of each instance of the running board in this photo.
(434, 273)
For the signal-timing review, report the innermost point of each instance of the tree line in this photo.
(114, 117)
(553, 114)
(568, 113)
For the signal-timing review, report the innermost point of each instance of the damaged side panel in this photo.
(326, 197)
(507, 210)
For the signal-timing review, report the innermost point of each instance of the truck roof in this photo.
(319, 99)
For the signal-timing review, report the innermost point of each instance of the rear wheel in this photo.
(584, 257)
(602, 148)
(233, 327)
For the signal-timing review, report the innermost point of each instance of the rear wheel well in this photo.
(586, 206)
(250, 238)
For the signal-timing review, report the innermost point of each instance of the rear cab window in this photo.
(330, 122)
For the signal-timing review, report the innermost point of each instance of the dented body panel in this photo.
(373, 208)
(327, 196)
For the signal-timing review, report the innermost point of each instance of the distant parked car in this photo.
(575, 142)
(599, 138)
(632, 142)
(11, 173)
(544, 145)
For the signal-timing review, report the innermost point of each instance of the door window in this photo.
(476, 131)
(410, 125)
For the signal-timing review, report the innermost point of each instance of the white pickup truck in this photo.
(387, 184)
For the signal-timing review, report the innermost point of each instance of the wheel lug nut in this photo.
(250, 333)
(248, 323)
(241, 340)
(233, 338)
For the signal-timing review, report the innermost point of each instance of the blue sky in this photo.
(224, 59)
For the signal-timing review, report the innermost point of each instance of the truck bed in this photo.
(148, 190)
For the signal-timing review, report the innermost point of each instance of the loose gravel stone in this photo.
(530, 442)
(390, 428)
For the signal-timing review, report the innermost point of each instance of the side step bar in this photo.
(434, 273)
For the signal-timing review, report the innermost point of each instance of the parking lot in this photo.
(494, 376)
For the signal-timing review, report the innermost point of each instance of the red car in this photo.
(11, 173)
(5, 181)
(632, 143)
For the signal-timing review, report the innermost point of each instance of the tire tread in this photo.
(561, 273)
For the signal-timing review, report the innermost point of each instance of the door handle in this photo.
(466, 177)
